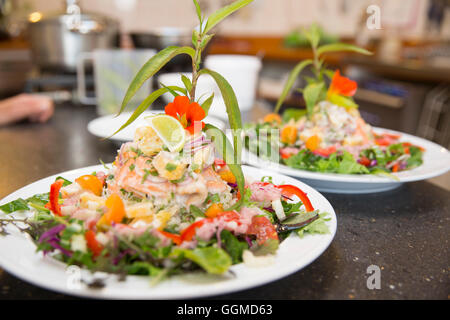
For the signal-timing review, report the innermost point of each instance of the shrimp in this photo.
(360, 130)
(195, 192)
(130, 177)
(214, 183)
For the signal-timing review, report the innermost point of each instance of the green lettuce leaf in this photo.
(212, 260)
(233, 246)
(318, 226)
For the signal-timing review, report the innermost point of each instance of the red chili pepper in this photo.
(395, 167)
(174, 237)
(92, 243)
(54, 197)
(290, 190)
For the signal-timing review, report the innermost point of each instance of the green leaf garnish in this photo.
(224, 12)
(153, 65)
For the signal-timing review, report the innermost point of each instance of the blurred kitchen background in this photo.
(404, 86)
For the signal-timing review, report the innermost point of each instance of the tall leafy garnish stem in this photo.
(315, 90)
(200, 38)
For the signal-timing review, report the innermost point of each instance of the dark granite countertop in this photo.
(405, 231)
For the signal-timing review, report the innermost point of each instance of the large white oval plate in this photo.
(436, 161)
(105, 126)
(18, 257)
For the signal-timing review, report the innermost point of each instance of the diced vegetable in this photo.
(279, 211)
(54, 197)
(213, 210)
(91, 183)
(92, 243)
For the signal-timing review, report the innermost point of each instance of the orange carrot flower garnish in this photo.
(188, 113)
(342, 85)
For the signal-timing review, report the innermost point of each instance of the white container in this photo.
(241, 71)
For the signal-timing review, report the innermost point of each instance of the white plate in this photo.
(18, 257)
(436, 161)
(105, 126)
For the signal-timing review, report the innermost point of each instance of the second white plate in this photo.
(104, 127)
(436, 161)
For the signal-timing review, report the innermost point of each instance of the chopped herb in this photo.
(179, 180)
(196, 212)
(132, 166)
(214, 198)
(171, 167)
(147, 172)
(137, 151)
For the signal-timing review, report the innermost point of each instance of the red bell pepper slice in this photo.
(92, 243)
(54, 197)
(290, 190)
(188, 233)
(325, 152)
(286, 153)
(174, 237)
(391, 136)
(383, 142)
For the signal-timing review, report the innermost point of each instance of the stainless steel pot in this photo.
(161, 38)
(56, 41)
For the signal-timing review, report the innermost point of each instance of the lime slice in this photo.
(169, 130)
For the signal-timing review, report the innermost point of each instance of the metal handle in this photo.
(81, 78)
(73, 12)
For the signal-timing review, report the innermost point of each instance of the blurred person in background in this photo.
(34, 108)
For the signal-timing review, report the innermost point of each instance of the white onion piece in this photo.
(279, 211)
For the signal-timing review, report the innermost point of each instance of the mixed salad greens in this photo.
(329, 135)
(167, 204)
